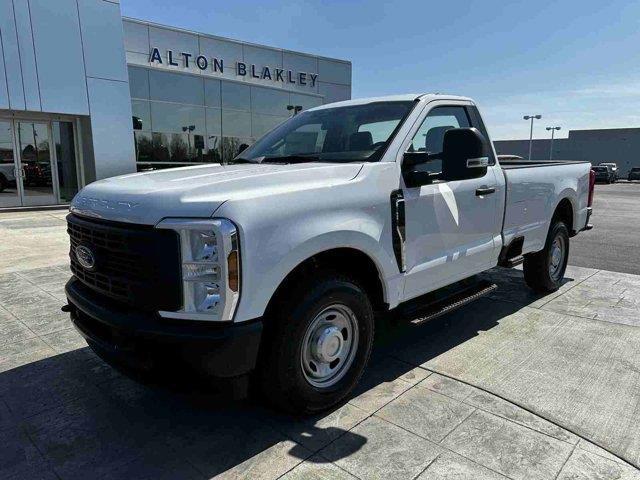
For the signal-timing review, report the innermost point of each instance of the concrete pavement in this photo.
(614, 243)
(513, 386)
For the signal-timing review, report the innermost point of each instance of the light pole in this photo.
(188, 129)
(531, 117)
(553, 130)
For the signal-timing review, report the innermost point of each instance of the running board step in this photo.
(450, 303)
(513, 262)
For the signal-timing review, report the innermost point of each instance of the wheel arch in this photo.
(565, 211)
(349, 260)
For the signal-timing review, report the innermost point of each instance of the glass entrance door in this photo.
(35, 164)
(9, 193)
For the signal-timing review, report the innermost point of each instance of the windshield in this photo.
(600, 169)
(340, 134)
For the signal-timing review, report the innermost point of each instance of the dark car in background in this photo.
(614, 169)
(603, 174)
(634, 174)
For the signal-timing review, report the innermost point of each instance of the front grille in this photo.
(136, 265)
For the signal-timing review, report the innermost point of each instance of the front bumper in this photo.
(141, 339)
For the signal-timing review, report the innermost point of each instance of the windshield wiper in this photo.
(301, 158)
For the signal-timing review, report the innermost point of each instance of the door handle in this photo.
(484, 191)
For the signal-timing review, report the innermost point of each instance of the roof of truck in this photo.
(407, 97)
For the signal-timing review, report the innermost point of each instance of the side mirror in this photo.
(416, 178)
(465, 154)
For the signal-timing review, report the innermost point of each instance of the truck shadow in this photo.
(76, 416)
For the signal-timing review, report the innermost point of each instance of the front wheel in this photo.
(316, 344)
(544, 270)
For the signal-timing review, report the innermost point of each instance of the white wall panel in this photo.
(102, 39)
(136, 37)
(27, 55)
(230, 52)
(178, 42)
(300, 63)
(334, 72)
(11, 56)
(111, 127)
(334, 93)
(58, 46)
(4, 94)
(262, 56)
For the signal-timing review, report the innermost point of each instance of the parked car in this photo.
(614, 169)
(271, 268)
(603, 173)
(634, 174)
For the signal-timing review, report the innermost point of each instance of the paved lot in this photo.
(614, 243)
(514, 386)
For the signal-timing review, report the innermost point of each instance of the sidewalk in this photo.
(514, 386)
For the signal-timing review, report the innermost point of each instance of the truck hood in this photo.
(146, 198)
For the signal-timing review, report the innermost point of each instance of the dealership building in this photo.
(618, 145)
(86, 94)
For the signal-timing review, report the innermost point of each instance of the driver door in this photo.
(450, 225)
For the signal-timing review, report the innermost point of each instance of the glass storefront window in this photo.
(171, 117)
(212, 93)
(269, 101)
(139, 82)
(213, 153)
(231, 147)
(141, 112)
(175, 87)
(236, 96)
(261, 124)
(152, 148)
(66, 160)
(191, 119)
(214, 121)
(236, 124)
(305, 101)
(143, 147)
(177, 147)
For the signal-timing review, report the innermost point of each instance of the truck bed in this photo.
(513, 164)
(533, 192)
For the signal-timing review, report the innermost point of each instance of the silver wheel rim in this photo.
(329, 346)
(556, 260)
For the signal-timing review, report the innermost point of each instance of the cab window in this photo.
(430, 136)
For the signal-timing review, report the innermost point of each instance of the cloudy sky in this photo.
(575, 62)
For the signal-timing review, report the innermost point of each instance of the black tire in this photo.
(536, 268)
(281, 376)
(3, 183)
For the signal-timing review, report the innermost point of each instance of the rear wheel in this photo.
(317, 344)
(544, 270)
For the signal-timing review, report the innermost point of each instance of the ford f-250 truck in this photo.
(272, 267)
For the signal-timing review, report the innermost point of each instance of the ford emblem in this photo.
(85, 257)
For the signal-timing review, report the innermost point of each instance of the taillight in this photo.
(592, 185)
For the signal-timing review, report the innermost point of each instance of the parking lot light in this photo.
(553, 129)
(531, 117)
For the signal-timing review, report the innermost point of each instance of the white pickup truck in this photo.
(271, 268)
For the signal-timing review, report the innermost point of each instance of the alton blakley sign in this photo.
(217, 65)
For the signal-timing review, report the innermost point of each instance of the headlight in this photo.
(210, 268)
